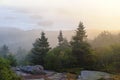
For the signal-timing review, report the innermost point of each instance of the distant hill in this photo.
(15, 38)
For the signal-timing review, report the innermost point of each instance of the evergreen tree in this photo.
(80, 34)
(40, 49)
(65, 43)
(11, 59)
(4, 50)
(60, 38)
(80, 48)
(21, 56)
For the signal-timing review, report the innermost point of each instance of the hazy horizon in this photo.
(60, 14)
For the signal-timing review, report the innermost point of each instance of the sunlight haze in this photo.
(60, 14)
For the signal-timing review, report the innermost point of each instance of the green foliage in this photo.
(21, 56)
(80, 34)
(52, 62)
(116, 57)
(81, 50)
(108, 58)
(40, 49)
(5, 72)
(60, 38)
(78, 53)
(12, 60)
(105, 38)
(4, 51)
(107, 52)
(7, 55)
(59, 58)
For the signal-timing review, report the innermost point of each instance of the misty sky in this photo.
(60, 14)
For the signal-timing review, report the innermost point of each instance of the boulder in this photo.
(37, 69)
(93, 75)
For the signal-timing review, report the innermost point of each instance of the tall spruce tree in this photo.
(60, 38)
(81, 50)
(39, 50)
(62, 42)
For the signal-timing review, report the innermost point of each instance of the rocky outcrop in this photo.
(37, 72)
(37, 69)
(93, 75)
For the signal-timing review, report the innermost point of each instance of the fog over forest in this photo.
(25, 38)
(59, 40)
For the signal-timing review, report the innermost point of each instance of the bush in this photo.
(59, 58)
(5, 72)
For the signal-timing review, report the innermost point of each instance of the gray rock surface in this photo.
(37, 69)
(93, 75)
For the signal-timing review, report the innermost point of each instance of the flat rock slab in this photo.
(93, 75)
(57, 76)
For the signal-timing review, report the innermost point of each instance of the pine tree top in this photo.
(80, 33)
(60, 38)
(42, 41)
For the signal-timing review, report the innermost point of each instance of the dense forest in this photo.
(102, 54)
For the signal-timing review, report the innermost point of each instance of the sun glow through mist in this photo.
(97, 14)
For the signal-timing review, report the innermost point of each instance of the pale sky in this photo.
(60, 14)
